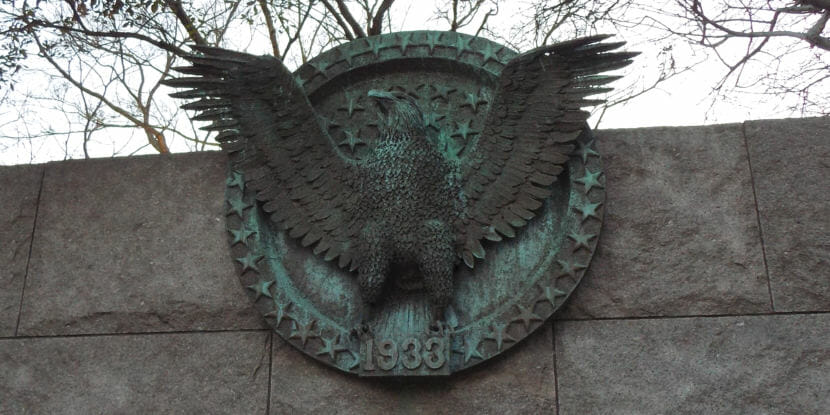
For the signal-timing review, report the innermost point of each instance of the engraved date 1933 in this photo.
(408, 356)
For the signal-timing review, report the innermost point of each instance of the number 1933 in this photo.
(411, 354)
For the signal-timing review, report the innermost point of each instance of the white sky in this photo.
(683, 100)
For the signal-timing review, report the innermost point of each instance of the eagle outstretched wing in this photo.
(305, 184)
(528, 136)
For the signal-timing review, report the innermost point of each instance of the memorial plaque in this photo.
(410, 204)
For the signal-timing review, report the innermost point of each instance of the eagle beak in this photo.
(383, 99)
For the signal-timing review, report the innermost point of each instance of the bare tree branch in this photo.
(339, 20)
(272, 32)
(177, 9)
(111, 49)
(158, 141)
(220, 34)
(771, 35)
(492, 12)
(377, 21)
(344, 11)
(812, 36)
(301, 20)
(454, 23)
(109, 34)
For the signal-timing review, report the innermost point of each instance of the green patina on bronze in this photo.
(449, 306)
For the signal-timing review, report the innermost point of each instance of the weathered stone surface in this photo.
(19, 187)
(727, 365)
(680, 235)
(93, 272)
(519, 382)
(791, 167)
(151, 374)
(131, 245)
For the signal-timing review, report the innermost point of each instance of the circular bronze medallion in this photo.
(315, 306)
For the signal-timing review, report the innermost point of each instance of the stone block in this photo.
(195, 373)
(772, 364)
(521, 381)
(134, 245)
(680, 235)
(19, 187)
(791, 167)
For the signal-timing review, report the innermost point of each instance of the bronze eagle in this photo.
(406, 203)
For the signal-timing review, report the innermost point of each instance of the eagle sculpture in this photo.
(406, 203)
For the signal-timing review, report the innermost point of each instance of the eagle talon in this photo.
(438, 328)
(361, 332)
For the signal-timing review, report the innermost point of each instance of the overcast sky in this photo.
(683, 100)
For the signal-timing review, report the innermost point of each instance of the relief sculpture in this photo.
(411, 203)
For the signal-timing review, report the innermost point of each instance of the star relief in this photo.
(588, 210)
(471, 343)
(473, 100)
(570, 269)
(262, 288)
(462, 44)
(241, 235)
(432, 40)
(331, 346)
(463, 129)
(443, 92)
(550, 294)
(352, 140)
(581, 240)
(403, 41)
(320, 67)
(431, 119)
(348, 56)
(235, 180)
(237, 206)
(489, 53)
(249, 261)
(355, 360)
(375, 44)
(498, 334)
(589, 180)
(303, 331)
(451, 145)
(585, 150)
(352, 104)
(280, 312)
(526, 316)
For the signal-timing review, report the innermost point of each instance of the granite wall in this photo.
(709, 293)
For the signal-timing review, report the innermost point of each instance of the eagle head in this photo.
(400, 116)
